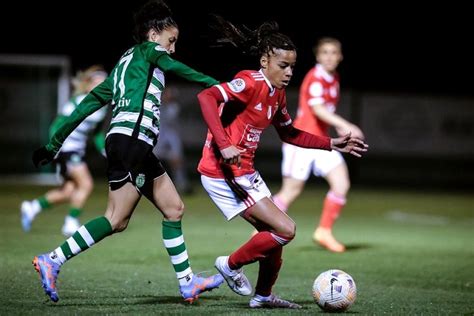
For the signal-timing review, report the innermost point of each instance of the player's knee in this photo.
(174, 213)
(288, 231)
(119, 226)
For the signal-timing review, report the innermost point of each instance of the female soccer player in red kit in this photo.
(236, 113)
(318, 100)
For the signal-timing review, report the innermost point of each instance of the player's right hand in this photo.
(231, 155)
(42, 156)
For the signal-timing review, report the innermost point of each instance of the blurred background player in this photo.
(318, 99)
(77, 182)
(170, 147)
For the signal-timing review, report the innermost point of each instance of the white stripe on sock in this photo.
(282, 241)
(184, 273)
(179, 258)
(86, 236)
(60, 254)
(75, 249)
(171, 243)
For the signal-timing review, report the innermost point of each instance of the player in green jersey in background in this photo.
(134, 89)
(77, 182)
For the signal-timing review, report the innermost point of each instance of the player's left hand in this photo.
(42, 156)
(350, 145)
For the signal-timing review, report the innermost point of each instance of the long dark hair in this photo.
(154, 14)
(258, 42)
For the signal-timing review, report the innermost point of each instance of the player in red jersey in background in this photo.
(318, 99)
(236, 113)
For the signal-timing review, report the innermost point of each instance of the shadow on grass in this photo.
(133, 300)
(349, 247)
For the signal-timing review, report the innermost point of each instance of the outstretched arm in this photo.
(345, 144)
(98, 97)
(341, 125)
(166, 63)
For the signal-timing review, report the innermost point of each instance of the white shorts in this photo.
(299, 162)
(233, 198)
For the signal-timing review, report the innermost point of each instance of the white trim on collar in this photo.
(272, 89)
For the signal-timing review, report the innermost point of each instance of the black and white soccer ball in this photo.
(334, 291)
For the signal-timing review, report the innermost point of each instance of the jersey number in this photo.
(122, 69)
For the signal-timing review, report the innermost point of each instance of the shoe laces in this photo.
(239, 279)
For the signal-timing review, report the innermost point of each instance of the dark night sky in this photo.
(391, 47)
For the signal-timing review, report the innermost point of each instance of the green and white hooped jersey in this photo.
(137, 90)
(77, 140)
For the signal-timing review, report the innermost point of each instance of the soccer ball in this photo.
(334, 291)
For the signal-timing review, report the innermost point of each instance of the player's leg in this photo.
(84, 184)
(163, 194)
(266, 247)
(339, 184)
(120, 207)
(30, 209)
(296, 168)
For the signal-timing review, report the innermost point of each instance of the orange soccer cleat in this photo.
(324, 237)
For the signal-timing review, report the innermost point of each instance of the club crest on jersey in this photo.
(258, 107)
(237, 85)
(140, 180)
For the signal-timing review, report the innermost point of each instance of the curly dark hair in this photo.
(154, 14)
(259, 42)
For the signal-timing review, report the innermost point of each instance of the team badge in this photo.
(140, 180)
(237, 85)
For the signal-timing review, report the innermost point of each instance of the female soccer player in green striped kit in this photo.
(134, 90)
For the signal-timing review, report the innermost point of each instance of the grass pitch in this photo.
(409, 253)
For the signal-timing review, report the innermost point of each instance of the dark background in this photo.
(389, 47)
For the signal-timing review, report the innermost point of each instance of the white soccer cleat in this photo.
(71, 225)
(236, 279)
(26, 215)
(272, 302)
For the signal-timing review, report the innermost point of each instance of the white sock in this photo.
(57, 256)
(186, 280)
(35, 208)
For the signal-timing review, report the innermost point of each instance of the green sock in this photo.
(43, 202)
(174, 243)
(75, 212)
(86, 236)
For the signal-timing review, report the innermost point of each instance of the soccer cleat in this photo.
(26, 215)
(71, 225)
(48, 271)
(272, 302)
(236, 279)
(324, 237)
(199, 285)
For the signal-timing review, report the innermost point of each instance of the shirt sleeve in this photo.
(158, 56)
(316, 93)
(97, 98)
(291, 135)
(240, 89)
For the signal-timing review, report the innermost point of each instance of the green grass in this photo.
(409, 253)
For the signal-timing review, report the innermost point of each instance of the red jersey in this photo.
(318, 87)
(250, 105)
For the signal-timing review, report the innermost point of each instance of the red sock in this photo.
(331, 209)
(268, 272)
(257, 248)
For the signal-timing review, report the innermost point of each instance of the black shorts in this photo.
(64, 160)
(131, 160)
